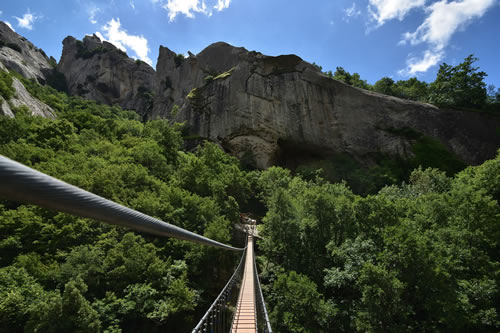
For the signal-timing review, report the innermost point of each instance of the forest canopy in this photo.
(461, 86)
(417, 256)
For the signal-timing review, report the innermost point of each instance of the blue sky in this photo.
(376, 38)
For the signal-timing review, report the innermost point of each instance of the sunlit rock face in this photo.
(22, 98)
(272, 109)
(265, 110)
(20, 55)
(97, 70)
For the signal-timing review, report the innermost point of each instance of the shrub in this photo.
(179, 59)
(6, 89)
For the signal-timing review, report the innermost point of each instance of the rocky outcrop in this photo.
(22, 98)
(20, 55)
(98, 70)
(263, 108)
(270, 107)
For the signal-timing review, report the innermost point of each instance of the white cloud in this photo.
(92, 11)
(190, 7)
(118, 36)
(26, 21)
(98, 34)
(10, 25)
(351, 12)
(132, 4)
(385, 10)
(421, 65)
(444, 19)
(186, 7)
(1, 12)
(222, 4)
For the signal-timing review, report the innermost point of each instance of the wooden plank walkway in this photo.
(245, 319)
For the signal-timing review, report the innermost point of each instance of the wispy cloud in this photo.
(385, 10)
(417, 65)
(92, 11)
(351, 12)
(115, 34)
(189, 8)
(186, 7)
(443, 20)
(1, 12)
(132, 4)
(26, 21)
(222, 4)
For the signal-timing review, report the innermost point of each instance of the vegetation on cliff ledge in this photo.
(461, 86)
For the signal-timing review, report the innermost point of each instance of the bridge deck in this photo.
(245, 320)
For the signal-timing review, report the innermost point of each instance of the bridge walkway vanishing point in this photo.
(245, 320)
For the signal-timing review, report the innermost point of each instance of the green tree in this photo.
(459, 86)
(6, 89)
(353, 80)
(78, 314)
(412, 89)
(297, 305)
(385, 86)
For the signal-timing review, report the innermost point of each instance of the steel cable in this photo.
(23, 184)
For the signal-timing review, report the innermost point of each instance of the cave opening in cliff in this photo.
(292, 154)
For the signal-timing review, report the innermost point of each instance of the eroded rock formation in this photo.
(262, 108)
(271, 107)
(20, 55)
(100, 71)
(23, 98)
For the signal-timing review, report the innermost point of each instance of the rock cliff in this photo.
(268, 109)
(273, 108)
(98, 70)
(20, 55)
(23, 98)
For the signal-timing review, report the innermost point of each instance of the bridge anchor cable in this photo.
(23, 184)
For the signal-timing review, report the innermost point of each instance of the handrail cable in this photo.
(23, 184)
(260, 300)
(219, 305)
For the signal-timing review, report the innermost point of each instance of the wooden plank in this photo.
(245, 320)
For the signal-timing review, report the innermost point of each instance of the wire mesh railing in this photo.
(23, 184)
(263, 324)
(219, 315)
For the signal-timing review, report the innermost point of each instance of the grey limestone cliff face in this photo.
(271, 107)
(23, 98)
(20, 55)
(36, 107)
(267, 108)
(98, 70)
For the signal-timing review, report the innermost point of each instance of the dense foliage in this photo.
(386, 170)
(419, 257)
(422, 256)
(61, 273)
(460, 86)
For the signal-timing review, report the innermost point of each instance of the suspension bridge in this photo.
(23, 184)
